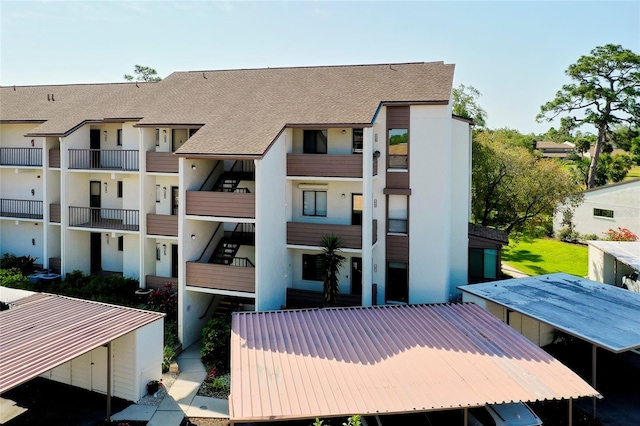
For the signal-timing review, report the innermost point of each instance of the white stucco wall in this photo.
(622, 198)
(338, 208)
(16, 239)
(12, 136)
(17, 183)
(271, 228)
(77, 251)
(344, 275)
(161, 267)
(430, 205)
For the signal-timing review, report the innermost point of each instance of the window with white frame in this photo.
(314, 203)
(397, 216)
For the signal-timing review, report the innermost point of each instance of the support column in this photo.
(594, 351)
(367, 217)
(109, 381)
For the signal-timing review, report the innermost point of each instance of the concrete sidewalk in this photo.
(508, 269)
(181, 400)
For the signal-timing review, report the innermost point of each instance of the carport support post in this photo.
(594, 351)
(109, 381)
(570, 421)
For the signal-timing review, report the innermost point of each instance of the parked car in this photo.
(509, 414)
(631, 282)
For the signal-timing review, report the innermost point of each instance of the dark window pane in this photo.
(397, 288)
(312, 268)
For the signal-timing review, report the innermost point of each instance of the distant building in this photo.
(553, 149)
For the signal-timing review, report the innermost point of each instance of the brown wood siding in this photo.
(375, 231)
(55, 265)
(398, 180)
(298, 298)
(223, 204)
(54, 158)
(54, 213)
(221, 277)
(398, 248)
(161, 224)
(398, 117)
(325, 165)
(163, 162)
(310, 234)
(155, 282)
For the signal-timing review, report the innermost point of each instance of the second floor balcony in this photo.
(162, 162)
(104, 218)
(239, 276)
(310, 234)
(161, 224)
(325, 165)
(27, 157)
(221, 204)
(103, 159)
(21, 209)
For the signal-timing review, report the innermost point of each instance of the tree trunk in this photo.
(593, 167)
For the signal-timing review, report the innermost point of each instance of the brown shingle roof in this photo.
(242, 110)
(62, 108)
(489, 233)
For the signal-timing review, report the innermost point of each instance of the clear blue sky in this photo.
(514, 52)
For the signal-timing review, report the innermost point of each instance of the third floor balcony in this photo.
(310, 234)
(104, 159)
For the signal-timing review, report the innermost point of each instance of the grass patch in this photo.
(633, 173)
(546, 256)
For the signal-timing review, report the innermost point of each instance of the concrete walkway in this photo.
(181, 400)
(513, 271)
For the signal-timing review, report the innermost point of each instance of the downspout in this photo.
(109, 381)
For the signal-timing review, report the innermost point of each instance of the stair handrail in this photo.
(209, 243)
(210, 174)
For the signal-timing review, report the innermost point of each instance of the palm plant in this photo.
(332, 261)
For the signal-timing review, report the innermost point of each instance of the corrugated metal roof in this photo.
(627, 252)
(43, 331)
(386, 359)
(598, 313)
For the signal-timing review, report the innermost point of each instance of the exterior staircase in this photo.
(227, 248)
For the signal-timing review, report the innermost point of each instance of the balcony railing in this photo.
(103, 159)
(310, 234)
(94, 217)
(222, 204)
(21, 157)
(23, 209)
(162, 162)
(161, 224)
(221, 277)
(325, 165)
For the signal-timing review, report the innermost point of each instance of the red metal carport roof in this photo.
(43, 331)
(387, 359)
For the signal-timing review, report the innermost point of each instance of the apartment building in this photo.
(224, 183)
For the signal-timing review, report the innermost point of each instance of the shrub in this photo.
(26, 264)
(590, 237)
(165, 300)
(568, 235)
(216, 343)
(13, 278)
(620, 234)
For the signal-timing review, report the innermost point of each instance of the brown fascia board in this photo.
(406, 103)
(325, 125)
(189, 155)
(460, 118)
(120, 120)
(22, 121)
(172, 125)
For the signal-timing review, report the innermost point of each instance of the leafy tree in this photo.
(508, 137)
(606, 88)
(332, 261)
(143, 73)
(610, 168)
(465, 104)
(623, 137)
(514, 190)
(582, 145)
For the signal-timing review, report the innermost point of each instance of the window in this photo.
(483, 264)
(603, 213)
(120, 243)
(358, 141)
(158, 193)
(398, 148)
(397, 288)
(356, 209)
(119, 189)
(157, 137)
(157, 251)
(398, 213)
(314, 203)
(314, 142)
(119, 137)
(312, 267)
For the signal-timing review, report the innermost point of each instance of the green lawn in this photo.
(546, 256)
(633, 173)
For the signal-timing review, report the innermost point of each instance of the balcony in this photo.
(54, 213)
(30, 157)
(157, 282)
(234, 277)
(324, 165)
(95, 217)
(310, 234)
(103, 159)
(221, 204)
(162, 162)
(21, 209)
(161, 224)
